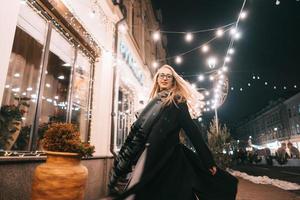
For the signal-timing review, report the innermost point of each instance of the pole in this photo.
(217, 120)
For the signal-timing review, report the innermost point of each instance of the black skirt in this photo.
(183, 177)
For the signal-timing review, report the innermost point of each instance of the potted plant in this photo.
(62, 176)
(10, 122)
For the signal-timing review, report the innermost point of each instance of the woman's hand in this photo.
(213, 170)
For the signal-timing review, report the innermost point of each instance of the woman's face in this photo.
(165, 78)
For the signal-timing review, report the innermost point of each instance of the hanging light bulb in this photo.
(232, 88)
(205, 48)
(200, 77)
(227, 59)
(232, 31)
(188, 37)
(156, 35)
(231, 51)
(224, 68)
(243, 15)
(277, 2)
(237, 35)
(249, 84)
(219, 32)
(178, 59)
(266, 83)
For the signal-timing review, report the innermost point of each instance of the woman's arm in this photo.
(127, 156)
(195, 136)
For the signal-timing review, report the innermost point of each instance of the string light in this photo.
(201, 77)
(227, 59)
(224, 68)
(237, 35)
(205, 48)
(233, 31)
(220, 33)
(243, 15)
(188, 37)
(156, 36)
(231, 51)
(178, 60)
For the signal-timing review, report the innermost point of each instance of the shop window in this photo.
(22, 82)
(125, 116)
(48, 80)
(81, 90)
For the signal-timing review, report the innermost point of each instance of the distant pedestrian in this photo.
(294, 152)
(281, 154)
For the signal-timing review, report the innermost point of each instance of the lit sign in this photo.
(128, 58)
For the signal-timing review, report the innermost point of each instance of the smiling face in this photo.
(165, 78)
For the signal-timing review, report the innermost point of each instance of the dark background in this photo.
(269, 48)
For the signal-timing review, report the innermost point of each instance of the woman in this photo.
(164, 168)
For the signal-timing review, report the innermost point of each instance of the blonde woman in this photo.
(164, 168)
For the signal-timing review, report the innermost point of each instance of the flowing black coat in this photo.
(172, 171)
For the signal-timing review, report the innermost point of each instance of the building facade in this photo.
(277, 123)
(72, 61)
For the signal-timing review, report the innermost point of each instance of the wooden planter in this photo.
(62, 177)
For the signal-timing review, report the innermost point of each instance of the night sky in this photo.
(269, 48)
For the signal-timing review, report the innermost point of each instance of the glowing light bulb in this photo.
(200, 77)
(156, 35)
(178, 59)
(205, 48)
(188, 37)
(219, 32)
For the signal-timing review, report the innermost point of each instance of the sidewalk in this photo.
(249, 191)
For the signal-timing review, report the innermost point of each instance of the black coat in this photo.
(172, 171)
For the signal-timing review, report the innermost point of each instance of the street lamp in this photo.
(220, 95)
(211, 61)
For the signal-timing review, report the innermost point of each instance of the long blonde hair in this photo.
(180, 91)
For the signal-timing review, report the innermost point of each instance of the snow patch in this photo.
(266, 180)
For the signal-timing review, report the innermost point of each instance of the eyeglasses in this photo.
(163, 76)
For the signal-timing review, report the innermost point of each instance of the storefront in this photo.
(133, 86)
(56, 66)
(48, 79)
(59, 63)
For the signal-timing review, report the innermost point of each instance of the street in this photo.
(290, 174)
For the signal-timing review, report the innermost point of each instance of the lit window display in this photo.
(48, 80)
(125, 116)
